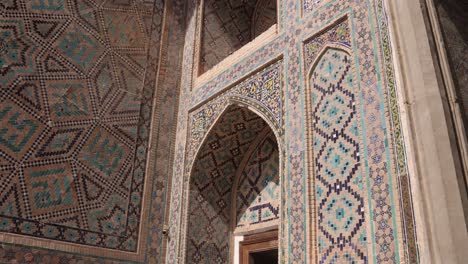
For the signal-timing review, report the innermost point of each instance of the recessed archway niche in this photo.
(228, 25)
(234, 188)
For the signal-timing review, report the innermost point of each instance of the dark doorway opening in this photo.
(264, 257)
(260, 248)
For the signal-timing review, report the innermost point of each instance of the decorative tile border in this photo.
(153, 28)
(365, 42)
(263, 90)
(334, 147)
(408, 219)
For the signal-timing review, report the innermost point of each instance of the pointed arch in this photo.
(232, 100)
(321, 53)
(260, 158)
(335, 171)
(212, 176)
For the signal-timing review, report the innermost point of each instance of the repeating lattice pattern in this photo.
(258, 189)
(211, 184)
(229, 25)
(368, 29)
(75, 118)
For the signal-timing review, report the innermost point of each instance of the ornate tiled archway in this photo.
(305, 28)
(234, 137)
(242, 111)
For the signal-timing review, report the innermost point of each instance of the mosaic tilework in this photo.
(211, 184)
(408, 220)
(228, 26)
(76, 112)
(16, 254)
(262, 88)
(338, 182)
(176, 196)
(338, 35)
(377, 155)
(166, 117)
(258, 188)
(312, 5)
(221, 17)
(378, 130)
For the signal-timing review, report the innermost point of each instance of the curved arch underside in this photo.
(213, 176)
(229, 25)
(257, 193)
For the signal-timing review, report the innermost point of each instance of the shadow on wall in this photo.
(457, 11)
(453, 15)
(230, 24)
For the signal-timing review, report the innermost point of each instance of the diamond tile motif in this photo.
(88, 12)
(258, 193)
(103, 153)
(211, 184)
(81, 48)
(73, 119)
(124, 31)
(16, 50)
(69, 101)
(337, 163)
(59, 142)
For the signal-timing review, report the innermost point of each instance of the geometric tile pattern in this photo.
(211, 184)
(227, 26)
(335, 143)
(387, 173)
(338, 34)
(258, 190)
(179, 184)
(312, 5)
(408, 219)
(263, 88)
(264, 17)
(168, 87)
(74, 119)
(367, 25)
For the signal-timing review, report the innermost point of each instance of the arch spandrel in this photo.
(261, 92)
(337, 36)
